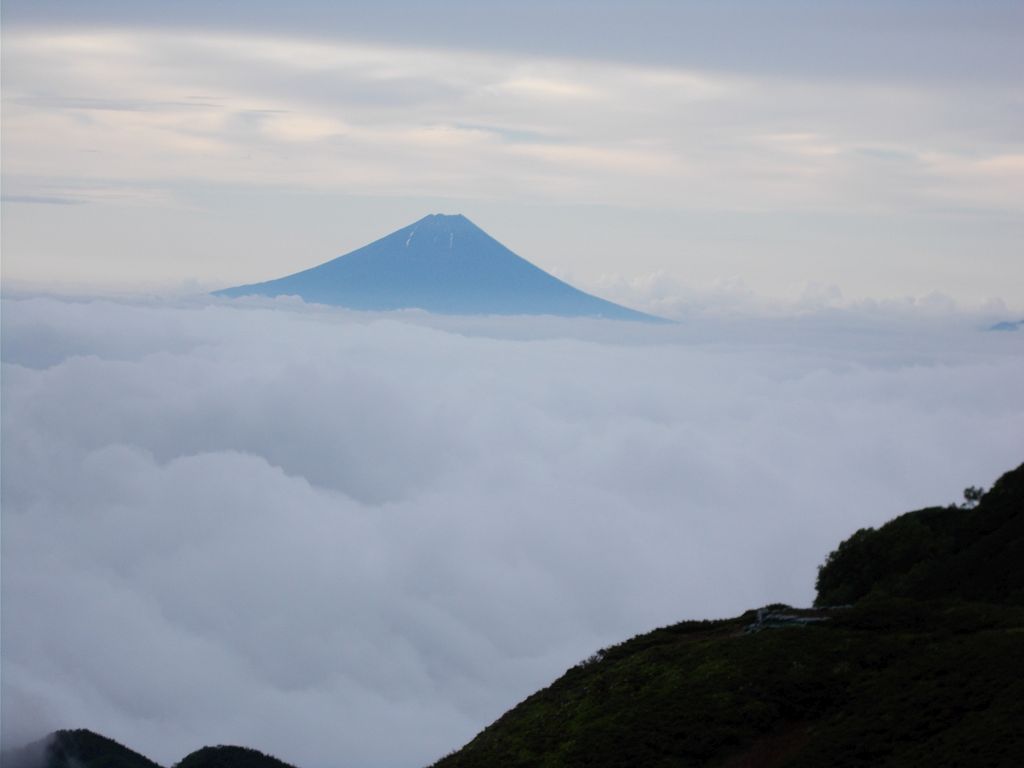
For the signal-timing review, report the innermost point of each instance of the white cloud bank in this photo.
(355, 540)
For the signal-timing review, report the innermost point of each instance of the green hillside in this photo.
(925, 669)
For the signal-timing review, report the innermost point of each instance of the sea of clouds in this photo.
(355, 539)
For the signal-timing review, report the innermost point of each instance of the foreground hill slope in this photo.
(443, 264)
(927, 668)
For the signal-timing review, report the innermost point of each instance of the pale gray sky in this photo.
(839, 150)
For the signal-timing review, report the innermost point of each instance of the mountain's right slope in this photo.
(926, 668)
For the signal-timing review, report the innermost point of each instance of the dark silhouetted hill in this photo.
(75, 749)
(230, 757)
(85, 749)
(926, 668)
(442, 264)
(936, 553)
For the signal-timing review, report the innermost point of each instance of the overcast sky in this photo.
(857, 150)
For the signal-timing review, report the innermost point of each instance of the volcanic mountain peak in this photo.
(444, 264)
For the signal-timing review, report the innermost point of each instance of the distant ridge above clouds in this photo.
(443, 264)
(1008, 325)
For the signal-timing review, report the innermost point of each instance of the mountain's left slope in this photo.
(442, 264)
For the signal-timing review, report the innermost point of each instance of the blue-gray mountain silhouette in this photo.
(442, 264)
(1007, 325)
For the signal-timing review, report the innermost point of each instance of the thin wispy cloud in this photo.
(131, 98)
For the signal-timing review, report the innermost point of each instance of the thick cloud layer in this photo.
(354, 540)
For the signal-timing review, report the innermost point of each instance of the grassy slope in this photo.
(901, 678)
(895, 682)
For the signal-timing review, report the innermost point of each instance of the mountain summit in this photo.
(443, 264)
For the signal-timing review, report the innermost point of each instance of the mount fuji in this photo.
(442, 264)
